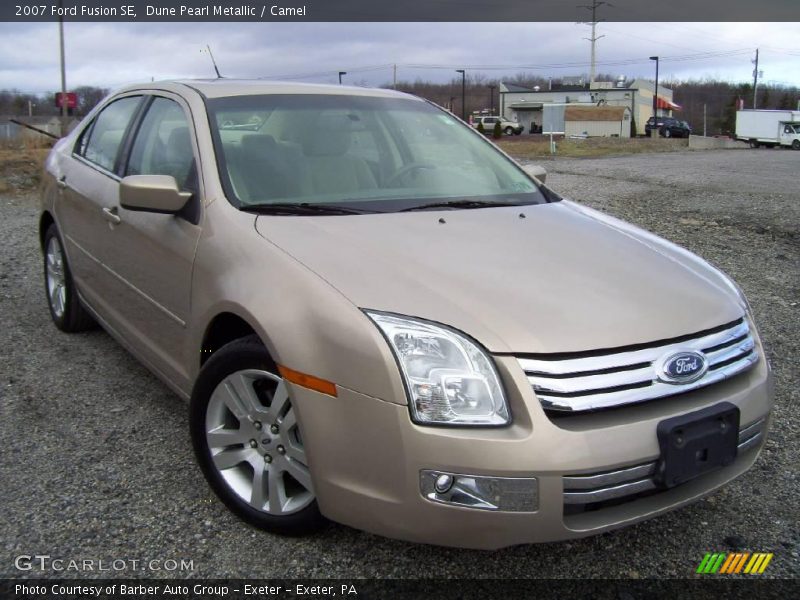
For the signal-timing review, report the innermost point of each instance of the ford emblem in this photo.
(683, 367)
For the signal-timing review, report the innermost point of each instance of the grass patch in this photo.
(21, 168)
(539, 146)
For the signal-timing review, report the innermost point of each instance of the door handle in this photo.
(110, 215)
(62, 182)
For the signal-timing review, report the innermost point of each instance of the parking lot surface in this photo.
(97, 464)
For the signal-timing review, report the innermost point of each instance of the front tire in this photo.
(667, 133)
(795, 144)
(247, 440)
(65, 306)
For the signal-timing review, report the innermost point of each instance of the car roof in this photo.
(223, 87)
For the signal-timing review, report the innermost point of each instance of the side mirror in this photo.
(152, 193)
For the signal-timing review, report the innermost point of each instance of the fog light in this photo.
(512, 494)
(443, 483)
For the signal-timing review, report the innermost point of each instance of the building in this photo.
(528, 105)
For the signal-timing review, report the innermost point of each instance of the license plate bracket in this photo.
(696, 443)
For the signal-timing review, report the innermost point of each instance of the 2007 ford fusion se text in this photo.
(381, 319)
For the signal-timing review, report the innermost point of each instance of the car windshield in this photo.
(369, 153)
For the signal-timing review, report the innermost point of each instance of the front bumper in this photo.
(366, 458)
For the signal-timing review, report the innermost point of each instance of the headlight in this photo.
(449, 379)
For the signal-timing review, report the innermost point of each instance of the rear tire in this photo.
(65, 306)
(248, 443)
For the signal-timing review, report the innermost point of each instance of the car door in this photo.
(152, 254)
(88, 198)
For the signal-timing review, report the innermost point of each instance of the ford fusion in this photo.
(379, 318)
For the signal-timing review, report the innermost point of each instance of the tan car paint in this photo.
(563, 278)
(556, 281)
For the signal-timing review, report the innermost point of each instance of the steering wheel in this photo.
(403, 171)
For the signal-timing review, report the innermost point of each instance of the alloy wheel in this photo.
(56, 280)
(255, 443)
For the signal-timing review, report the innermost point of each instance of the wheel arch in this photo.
(45, 221)
(226, 327)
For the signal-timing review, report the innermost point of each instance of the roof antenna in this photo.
(213, 62)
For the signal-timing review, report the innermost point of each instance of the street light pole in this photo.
(491, 99)
(340, 76)
(655, 94)
(463, 93)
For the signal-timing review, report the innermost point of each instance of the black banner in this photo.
(408, 10)
(711, 587)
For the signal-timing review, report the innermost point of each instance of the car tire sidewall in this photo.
(796, 145)
(247, 353)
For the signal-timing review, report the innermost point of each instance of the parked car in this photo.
(379, 318)
(507, 127)
(669, 127)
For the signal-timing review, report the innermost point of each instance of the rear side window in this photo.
(163, 145)
(100, 143)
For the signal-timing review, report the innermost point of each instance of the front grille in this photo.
(590, 491)
(589, 381)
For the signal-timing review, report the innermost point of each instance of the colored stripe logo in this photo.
(734, 563)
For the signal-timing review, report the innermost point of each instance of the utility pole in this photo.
(593, 7)
(755, 81)
(491, 99)
(63, 71)
(394, 76)
(463, 93)
(704, 120)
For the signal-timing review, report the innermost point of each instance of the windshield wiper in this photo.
(462, 204)
(304, 208)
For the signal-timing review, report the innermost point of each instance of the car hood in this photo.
(563, 278)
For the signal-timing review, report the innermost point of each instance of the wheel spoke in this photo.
(289, 421)
(258, 495)
(220, 438)
(295, 452)
(241, 385)
(301, 473)
(61, 298)
(230, 458)
(277, 491)
(280, 403)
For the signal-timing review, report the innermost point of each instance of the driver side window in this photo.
(163, 145)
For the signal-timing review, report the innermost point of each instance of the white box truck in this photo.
(769, 128)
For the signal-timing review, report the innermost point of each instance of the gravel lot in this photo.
(97, 464)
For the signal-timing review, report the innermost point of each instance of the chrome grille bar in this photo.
(618, 378)
(626, 481)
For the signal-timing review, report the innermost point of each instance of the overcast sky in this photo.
(111, 54)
